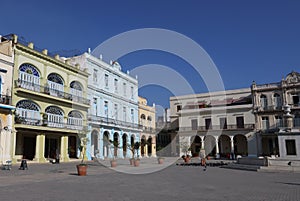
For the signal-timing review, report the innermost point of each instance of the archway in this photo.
(125, 144)
(143, 145)
(149, 142)
(224, 146)
(116, 144)
(195, 145)
(210, 145)
(240, 145)
(94, 143)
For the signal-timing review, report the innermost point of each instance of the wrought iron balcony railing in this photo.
(52, 92)
(104, 120)
(218, 127)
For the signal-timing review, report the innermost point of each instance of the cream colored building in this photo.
(6, 72)
(148, 126)
(51, 106)
(269, 101)
(222, 123)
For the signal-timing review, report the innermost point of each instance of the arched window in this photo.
(29, 77)
(76, 89)
(55, 116)
(264, 101)
(277, 101)
(55, 84)
(75, 120)
(28, 109)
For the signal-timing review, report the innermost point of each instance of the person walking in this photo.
(203, 159)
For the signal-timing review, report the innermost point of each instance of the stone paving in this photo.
(178, 183)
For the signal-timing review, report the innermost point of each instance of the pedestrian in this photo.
(203, 159)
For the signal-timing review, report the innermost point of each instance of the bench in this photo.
(7, 165)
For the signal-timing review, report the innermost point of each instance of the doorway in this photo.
(51, 147)
(29, 148)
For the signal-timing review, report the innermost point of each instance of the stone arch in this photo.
(28, 73)
(76, 88)
(105, 143)
(149, 143)
(116, 143)
(195, 145)
(28, 109)
(240, 145)
(125, 144)
(95, 143)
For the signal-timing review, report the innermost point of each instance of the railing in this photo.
(147, 129)
(269, 108)
(217, 127)
(105, 120)
(5, 99)
(41, 122)
(270, 85)
(50, 91)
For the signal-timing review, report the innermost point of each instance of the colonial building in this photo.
(222, 123)
(113, 116)
(6, 72)
(269, 101)
(147, 123)
(51, 108)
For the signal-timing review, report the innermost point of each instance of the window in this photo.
(194, 123)
(277, 101)
(265, 123)
(178, 108)
(263, 101)
(124, 114)
(116, 85)
(116, 112)
(208, 124)
(278, 121)
(94, 106)
(290, 146)
(297, 120)
(296, 100)
(131, 90)
(124, 89)
(95, 75)
(106, 108)
(240, 122)
(106, 80)
(223, 123)
(132, 115)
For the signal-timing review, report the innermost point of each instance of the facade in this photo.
(148, 126)
(113, 115)
(269, 103)
(6, 72)
(51, 108)
(222, 123)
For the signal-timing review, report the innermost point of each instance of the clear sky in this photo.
(247, 40)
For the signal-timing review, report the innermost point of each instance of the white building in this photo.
(113, 115)
(222, 123)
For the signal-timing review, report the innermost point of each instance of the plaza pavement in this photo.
(178, 183)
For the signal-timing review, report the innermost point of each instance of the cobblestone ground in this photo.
(177, 183)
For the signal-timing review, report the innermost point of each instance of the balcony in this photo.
(6, 100)
(51, 91)
(110, 121)
(268, 108)
(147, 129)
(47, 123)
(217, 127)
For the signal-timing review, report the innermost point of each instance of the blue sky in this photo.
(247, 40)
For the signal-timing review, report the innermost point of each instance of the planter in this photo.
(137, 162)
(160, 160)
(81, 170)
(187, 159)
(113, 163)
(131, 161)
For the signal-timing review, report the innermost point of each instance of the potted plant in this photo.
(160, 160)
(82, 167)
(136, 148)
(113, 161)
(185, 148)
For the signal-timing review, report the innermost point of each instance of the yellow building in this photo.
(147, 123)
(49, 96)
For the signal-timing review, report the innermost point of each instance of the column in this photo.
(139, 153)
(120, 148)
(232, 147)
(110, 147)
(153, 146)
(100, 141)
(146, 150)
(40, 149)
(128, 152)
(189, 145)
(217, 146)
(64, 144)
(202, 142)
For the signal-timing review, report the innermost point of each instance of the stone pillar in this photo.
(153, 146)
(64, 144)
(40, 149)
(101, 148)
(232, 147)
(128, 151)
(146, 150)
(217, 146)
(137, 139)
(120, 149)
(202, 142)
(110, 147)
